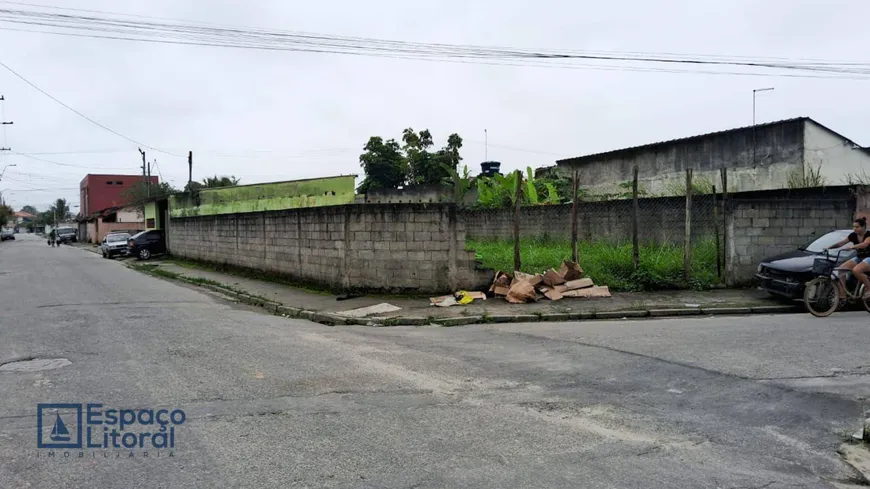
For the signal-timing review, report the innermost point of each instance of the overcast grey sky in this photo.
(266, 116)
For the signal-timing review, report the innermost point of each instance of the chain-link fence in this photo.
(626, 241)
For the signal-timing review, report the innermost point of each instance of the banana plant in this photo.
(552, 194)
(531, 191)
(461, 183)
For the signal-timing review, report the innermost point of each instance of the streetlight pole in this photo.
(4, 123)
(754, 141)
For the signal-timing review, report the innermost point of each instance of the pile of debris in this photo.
(568, 281)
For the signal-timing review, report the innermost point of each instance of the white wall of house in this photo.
(130, 214)
(837, 158)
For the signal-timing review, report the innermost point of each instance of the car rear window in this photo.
(114, 238)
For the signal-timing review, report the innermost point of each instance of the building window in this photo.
(119, 183)
(149, 223)
(109, 182)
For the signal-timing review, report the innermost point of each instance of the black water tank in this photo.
(490, 168)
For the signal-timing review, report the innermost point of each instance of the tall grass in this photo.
(660, 265)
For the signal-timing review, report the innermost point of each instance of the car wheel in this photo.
(144, 254)
(104, 254)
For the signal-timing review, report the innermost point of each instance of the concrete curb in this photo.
(332, 319)
(689, 311)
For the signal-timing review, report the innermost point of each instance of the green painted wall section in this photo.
(151, 213)
(266, 197)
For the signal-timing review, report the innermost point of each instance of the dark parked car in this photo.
(7, 234)
(786, 275)
(114, 244)
(146, 244)
(66, 235)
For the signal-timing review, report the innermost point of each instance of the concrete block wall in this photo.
(378, 247)
(660, 219)
(765, 224)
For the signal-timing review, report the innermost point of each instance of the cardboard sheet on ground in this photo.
(370, 310)
(552, 278)
(521, 291)
(578, 284)
(589, 292)
(532, 279)
(553, 294)
(570, 271)
(501, 285)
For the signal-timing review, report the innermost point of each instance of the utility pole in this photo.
(144, 172)
(189, 168)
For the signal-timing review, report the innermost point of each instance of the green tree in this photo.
(384, 165)
(60, 208)
(449, 155)
(390, 165)
(59, 211)
(30, 210)
(6, 214)
(140, 191)
(222, 181)
(427, 168)
(45, 218)
(419, 160)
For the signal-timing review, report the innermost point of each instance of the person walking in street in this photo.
(52, 237)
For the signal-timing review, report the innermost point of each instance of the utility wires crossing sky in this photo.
(107, 25)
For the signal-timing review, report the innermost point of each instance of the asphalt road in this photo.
(731, 402)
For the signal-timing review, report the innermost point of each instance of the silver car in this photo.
(114, 244)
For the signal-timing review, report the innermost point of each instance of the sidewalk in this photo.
(325, 308)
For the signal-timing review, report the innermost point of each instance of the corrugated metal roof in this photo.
(579, 159)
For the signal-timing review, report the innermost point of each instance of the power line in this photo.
(41, 189)
(246, 30)
(574, 66)
(37, 158)
(513, 148)
(79, 152)
(158, 170)
(189, 33)
(260, 30)
(52, 97)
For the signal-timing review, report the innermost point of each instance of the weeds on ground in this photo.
(205, 281)
(660, 265)
(160, 272)
(246, 273)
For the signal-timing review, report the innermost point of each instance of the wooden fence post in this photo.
(517, 202)
(635, 247)
(716, 234)
(725, 205)
(575, 189)
(687, 244)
